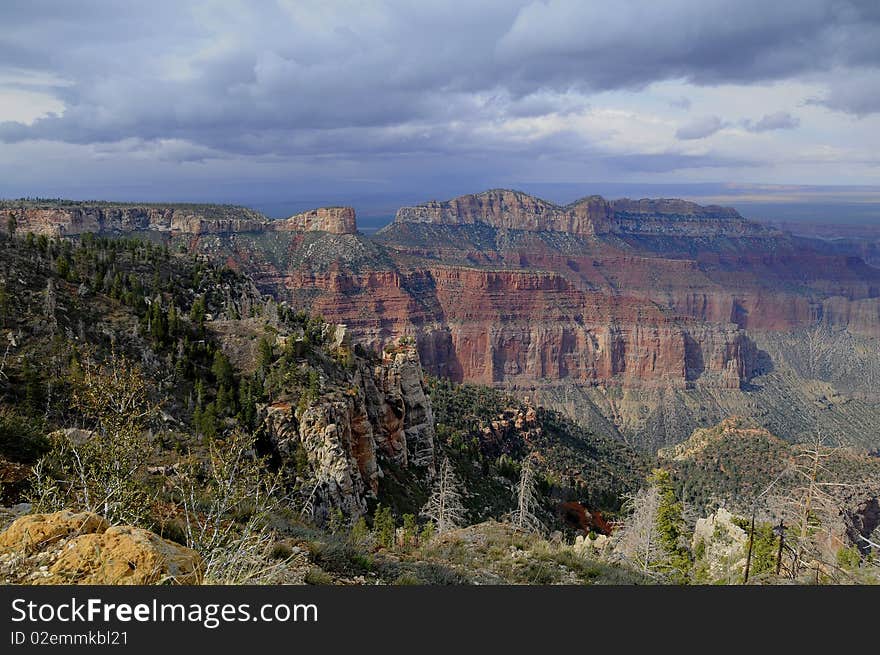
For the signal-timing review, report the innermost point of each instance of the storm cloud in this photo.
(399, 81)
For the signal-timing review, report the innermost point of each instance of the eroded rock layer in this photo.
(580, 301)
(68, 219)
(342, 436)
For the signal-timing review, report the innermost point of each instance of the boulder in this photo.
(724, 545)
(35, 532)
(125, 555)
(81, 548)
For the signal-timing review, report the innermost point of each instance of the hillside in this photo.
(641, 319)
(735, 462)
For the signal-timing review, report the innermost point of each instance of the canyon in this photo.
(645, 319)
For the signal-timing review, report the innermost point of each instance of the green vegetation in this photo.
(577, 464)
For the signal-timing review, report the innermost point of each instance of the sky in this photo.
(287, 104)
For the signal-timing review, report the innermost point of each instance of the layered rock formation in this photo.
(575, 303)
(335, 220)
(593, 215)
(681, 218)
(515, 210)
(382, 413)
(69, 219)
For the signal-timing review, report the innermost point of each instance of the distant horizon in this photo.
(282, 105)
(814, 204)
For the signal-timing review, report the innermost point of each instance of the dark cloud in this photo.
(700, 128)
(631, 44)
(779, 121)
(262, 68)
(211, 80)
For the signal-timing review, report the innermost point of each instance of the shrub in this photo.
(21, 440)
(318, 576)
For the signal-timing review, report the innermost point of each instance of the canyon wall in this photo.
(588, 216)
(81, 218)
(572, 304)
(513, 209)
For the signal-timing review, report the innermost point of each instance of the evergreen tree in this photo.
(264, 354)
(671, 528)
(384, 526)
(222, 370)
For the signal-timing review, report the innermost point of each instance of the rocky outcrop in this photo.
(515, 210)
(35, 532)
(588, 216)
(81, 218)
(681, 218)
(335, 444)
(80, 548)
(335, 220)
(720, 546)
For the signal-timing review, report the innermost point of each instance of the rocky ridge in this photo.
(589, 216)
(68, 219)
(335, 220)
(380, 412)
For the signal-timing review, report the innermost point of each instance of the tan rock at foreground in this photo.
(70, 548)
(35, 532)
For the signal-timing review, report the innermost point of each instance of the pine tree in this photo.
(445, 507)
(384, 526)
(197, 312)
(671, 528)
(410, 530)
(652, 537)
(173, 320)
(222, 370)
(264, 354)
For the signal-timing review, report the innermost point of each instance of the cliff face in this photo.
(588, 216)
(381, 414)
(80, 218)
(522, 327)
(639, 294)
(681, 218)
(515, 210)
(335, 220)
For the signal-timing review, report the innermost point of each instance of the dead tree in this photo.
(638, 538)
(445, 507)
(524, 518)
(812, 505)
